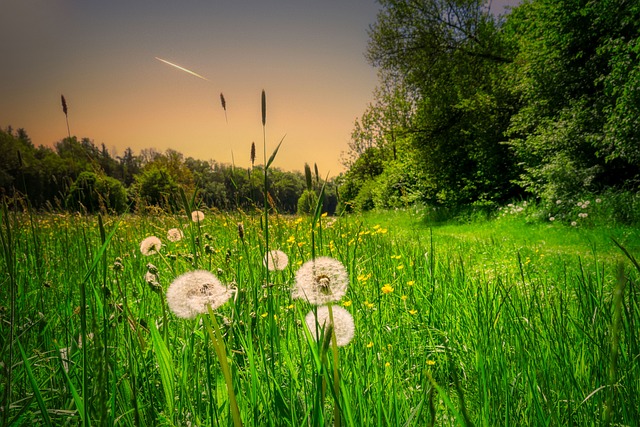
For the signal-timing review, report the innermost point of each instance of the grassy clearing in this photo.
(495, 323)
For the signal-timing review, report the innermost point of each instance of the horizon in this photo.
(106, 60)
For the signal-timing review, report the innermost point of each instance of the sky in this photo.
(308, 57)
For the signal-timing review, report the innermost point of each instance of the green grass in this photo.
(505, 322)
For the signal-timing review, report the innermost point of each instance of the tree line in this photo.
(477, 109)
(81, 176)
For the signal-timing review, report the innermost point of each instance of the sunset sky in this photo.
(307, 55)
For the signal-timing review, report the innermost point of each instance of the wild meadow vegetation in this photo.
(476, 264)
(493, 323)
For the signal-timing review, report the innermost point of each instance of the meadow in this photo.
(489, 323)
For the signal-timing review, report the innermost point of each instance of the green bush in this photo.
(307, 202)
(93, 192)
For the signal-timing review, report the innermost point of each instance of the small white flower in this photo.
(573, 223)
(552, 218)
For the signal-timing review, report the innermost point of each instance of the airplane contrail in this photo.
(183, 69)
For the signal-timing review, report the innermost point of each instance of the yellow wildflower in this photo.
(386, 365)
(387, 289)
(403, 297)
(324, 215)
(411, 283)
(413, 312)
(347, 304)
(370, 344)
(368, 304)
(400, 267)
(431, 362)
(291, 240)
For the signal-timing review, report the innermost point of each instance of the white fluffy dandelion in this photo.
(343, 324)
(197, 216)
(174, 235)
(276, 260)
(150, 246)
(321, 280)
(191, 293)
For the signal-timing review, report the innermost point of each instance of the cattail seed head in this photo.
(253, 153)
(241, 231)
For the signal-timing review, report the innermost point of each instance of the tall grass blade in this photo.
(35, 387)
(167, 372)
(275, 152)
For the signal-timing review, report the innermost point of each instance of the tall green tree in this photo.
(577, 77)
(449, 56)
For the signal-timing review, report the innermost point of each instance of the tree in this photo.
(449, 57)
(97, 192)
(576, 73)
(156, 186)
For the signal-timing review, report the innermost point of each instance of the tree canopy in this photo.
(474, 108)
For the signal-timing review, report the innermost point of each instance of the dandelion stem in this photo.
(336, 372)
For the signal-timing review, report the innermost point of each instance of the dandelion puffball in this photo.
(191, 293)
(321, 280)
(197, 216)
(343, 324)
(150, 246)
(174, 235)
(276, 260)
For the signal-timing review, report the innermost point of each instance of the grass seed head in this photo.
(64, 104)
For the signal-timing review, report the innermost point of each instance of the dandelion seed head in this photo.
(191, 293)
(174, 235)
(321, 280)
(197, 216)
(343, 324)
(275, 260)
(150, 246)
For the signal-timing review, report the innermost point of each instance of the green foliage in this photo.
(307, 202)
(155, 186)
(516, 317)
(448, 59)
(576, 75)
(399, 185)
(97, 192)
